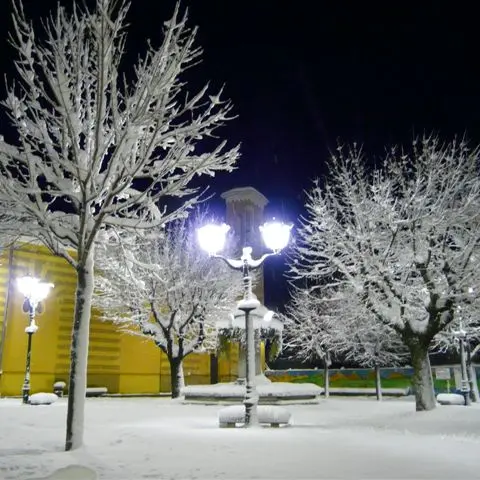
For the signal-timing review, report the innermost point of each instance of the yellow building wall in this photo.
(196, 369)
(228, 363)
(4, 290)
(139, 365)
(121, 362)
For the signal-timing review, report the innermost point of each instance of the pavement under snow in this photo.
(154, 438)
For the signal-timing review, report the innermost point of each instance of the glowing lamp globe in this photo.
(276, 235)
(212, 237)
(33, 289)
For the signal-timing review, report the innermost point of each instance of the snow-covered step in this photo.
(72, 472)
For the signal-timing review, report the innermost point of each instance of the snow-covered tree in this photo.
(307, 326)
(403, 235)
(319, 324)
(307, 333)
(10, 227)
(163, 287)
(367, 342)
(467, 319)
(95, 149)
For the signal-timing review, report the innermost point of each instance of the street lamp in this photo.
(462, 337)
(465, 388)
(34, 292)
(275, 236)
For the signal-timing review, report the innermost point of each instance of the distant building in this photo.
(123, 363)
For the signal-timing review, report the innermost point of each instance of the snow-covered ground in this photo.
(153, 438)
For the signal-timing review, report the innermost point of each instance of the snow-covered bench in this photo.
(267, 414)
(96, 391)
(58, 388)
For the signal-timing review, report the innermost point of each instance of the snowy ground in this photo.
(152, 438)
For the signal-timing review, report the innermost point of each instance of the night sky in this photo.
(306, 74)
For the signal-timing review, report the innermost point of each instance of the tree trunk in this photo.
(181, 380)
(422, 381)
(326, 379)
(79, 355)
(176, 376)
(378, 383)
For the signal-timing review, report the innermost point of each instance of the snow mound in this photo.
(266, 414)
(450, 399)
(43, 398)
(72, 472)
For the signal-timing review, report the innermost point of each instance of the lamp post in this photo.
(465, 388)
(34, 292)
(462, 337)
(212, 239)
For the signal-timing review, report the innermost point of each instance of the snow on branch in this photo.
(97, 147)
(403, 235)
(319, 323)
(162, 286)
(102, 145)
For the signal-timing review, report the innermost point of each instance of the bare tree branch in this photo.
(97, 151)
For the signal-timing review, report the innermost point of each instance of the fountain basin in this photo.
(275, 393)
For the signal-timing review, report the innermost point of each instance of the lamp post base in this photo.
(251, 395)
(251, 404)
(466, 393)
(26, 394)
(463, 365)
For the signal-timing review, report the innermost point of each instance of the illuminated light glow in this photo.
(212, 237)
(33, 289)
(276, 235)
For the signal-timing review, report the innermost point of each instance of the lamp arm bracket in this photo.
(253, 264)
(235, 264)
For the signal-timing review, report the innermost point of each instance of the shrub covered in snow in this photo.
(58, 388)
(43, 398)
(450, 399)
